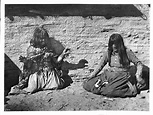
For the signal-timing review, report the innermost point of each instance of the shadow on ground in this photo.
(11, 74)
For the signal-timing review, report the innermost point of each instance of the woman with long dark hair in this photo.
(116, 80)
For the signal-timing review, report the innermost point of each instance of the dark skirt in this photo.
(119, 84)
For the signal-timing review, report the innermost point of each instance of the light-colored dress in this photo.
(39, 72)
(46, 75)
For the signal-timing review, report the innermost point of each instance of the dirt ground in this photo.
(74, 98)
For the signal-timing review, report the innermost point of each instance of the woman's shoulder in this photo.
(130, 53)
(128, 50)
(105, 53)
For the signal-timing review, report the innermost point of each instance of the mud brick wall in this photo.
(87, 37)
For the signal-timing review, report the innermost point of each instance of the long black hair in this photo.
(39, 34)
(118, 41)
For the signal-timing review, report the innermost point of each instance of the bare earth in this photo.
(74, 98)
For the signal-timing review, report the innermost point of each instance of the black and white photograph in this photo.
(76, 56)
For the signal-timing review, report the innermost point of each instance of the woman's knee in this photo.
(86, 85)
(32, 84)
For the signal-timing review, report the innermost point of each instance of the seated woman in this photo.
(41, 66)
(116, 81)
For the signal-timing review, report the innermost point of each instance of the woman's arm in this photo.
(132, 57)
(102, 63)
(139, 70)
(62, 56)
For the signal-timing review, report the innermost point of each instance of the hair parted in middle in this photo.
(118, 41)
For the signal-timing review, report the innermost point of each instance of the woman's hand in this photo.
(140, 83)
(38, 50)
(22, 59)
(46, 55)
(63, 55)
(66, 52)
